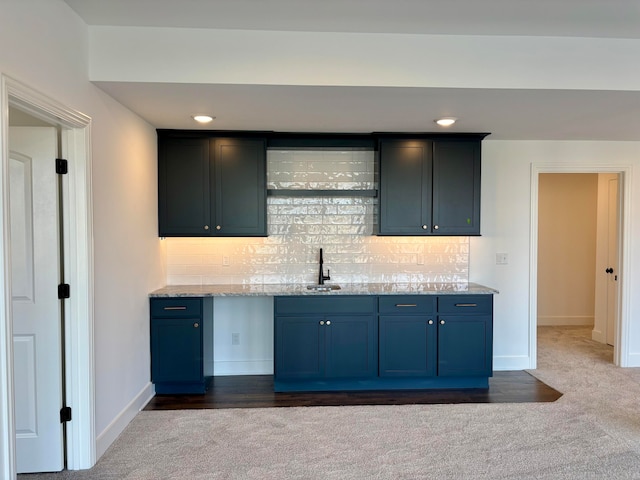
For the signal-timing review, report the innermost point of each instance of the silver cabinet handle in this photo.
(435, 227)
(175, 308)
(406, 305)
(466, 304)
(196, 325)
(321, 322)
(424, 227)
(328, 322)
(441, 322)
(218, 227)
(430, 322)
(206, 227)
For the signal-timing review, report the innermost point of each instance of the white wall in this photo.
(506, 214)
(44, 45)
(567, 214)
(331, 58)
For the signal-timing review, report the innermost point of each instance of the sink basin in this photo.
(323, 288)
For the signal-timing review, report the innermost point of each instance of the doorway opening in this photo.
(589, 293)
(72, 132)
(578, 231)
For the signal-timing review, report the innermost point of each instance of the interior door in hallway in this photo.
(612, 258)
(36, 313)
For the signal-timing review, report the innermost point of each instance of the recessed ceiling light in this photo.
(203, 118)
(446, 122)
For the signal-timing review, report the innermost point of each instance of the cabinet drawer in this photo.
(324, 305)
(465, 304)
(176, 307)
(407, 304)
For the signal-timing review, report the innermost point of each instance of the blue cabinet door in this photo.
(456, 187)
(299, 347)
(405, 187)
(465, 345)
(408, 346)
(316, 347)
(183, 187)
(351, 346)
(239, 199)
(176, 350)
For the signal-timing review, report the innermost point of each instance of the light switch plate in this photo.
(502, 258)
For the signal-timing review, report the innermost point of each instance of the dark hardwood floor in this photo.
(256, 391)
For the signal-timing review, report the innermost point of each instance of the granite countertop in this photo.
(348, 289)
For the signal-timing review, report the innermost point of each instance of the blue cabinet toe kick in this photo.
(334, 385)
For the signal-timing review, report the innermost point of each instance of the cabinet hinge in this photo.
(64, 291)
(65, 414)
(62, 166)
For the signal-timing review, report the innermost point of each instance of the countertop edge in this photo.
(277, 290)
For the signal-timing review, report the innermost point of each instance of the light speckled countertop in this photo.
(351, 289)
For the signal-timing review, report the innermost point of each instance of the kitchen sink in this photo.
(323, 288)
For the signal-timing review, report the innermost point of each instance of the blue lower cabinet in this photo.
(408, 346)
(351, 346)
(397, 342)
(324, 342)
(325, 347)
(299, 348)
(464, 345)
(177, 346)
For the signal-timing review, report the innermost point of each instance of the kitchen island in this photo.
(360, 337)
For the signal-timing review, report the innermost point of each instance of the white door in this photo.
(612, 259)
(36, 310)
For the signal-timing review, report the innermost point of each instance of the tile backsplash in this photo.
(299, 226)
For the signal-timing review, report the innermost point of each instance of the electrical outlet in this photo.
(235, 339)
(225, 260)
(502, 258)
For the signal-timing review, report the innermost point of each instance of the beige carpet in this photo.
(592, 432)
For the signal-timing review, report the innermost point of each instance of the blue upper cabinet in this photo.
(456, 187)
(211, 186)
(240, 194)
(405, 187)
(184, 208)
(429, 186)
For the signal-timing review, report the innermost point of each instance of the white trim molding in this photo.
(621, 354)
(78, 227)
(117, 426)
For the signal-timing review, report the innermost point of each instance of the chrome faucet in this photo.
(321, 276)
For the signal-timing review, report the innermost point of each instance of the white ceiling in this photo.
(507, 114)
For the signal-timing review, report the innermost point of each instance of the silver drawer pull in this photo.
(466, 304)
(175, 308)
(406, 305)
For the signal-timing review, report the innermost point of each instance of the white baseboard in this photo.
(598, 336)
(244, 367)
(634, 360)
(117, 426)
(511, 362)
(557, 321)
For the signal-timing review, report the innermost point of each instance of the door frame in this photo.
(621, 347)
(78, 227)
